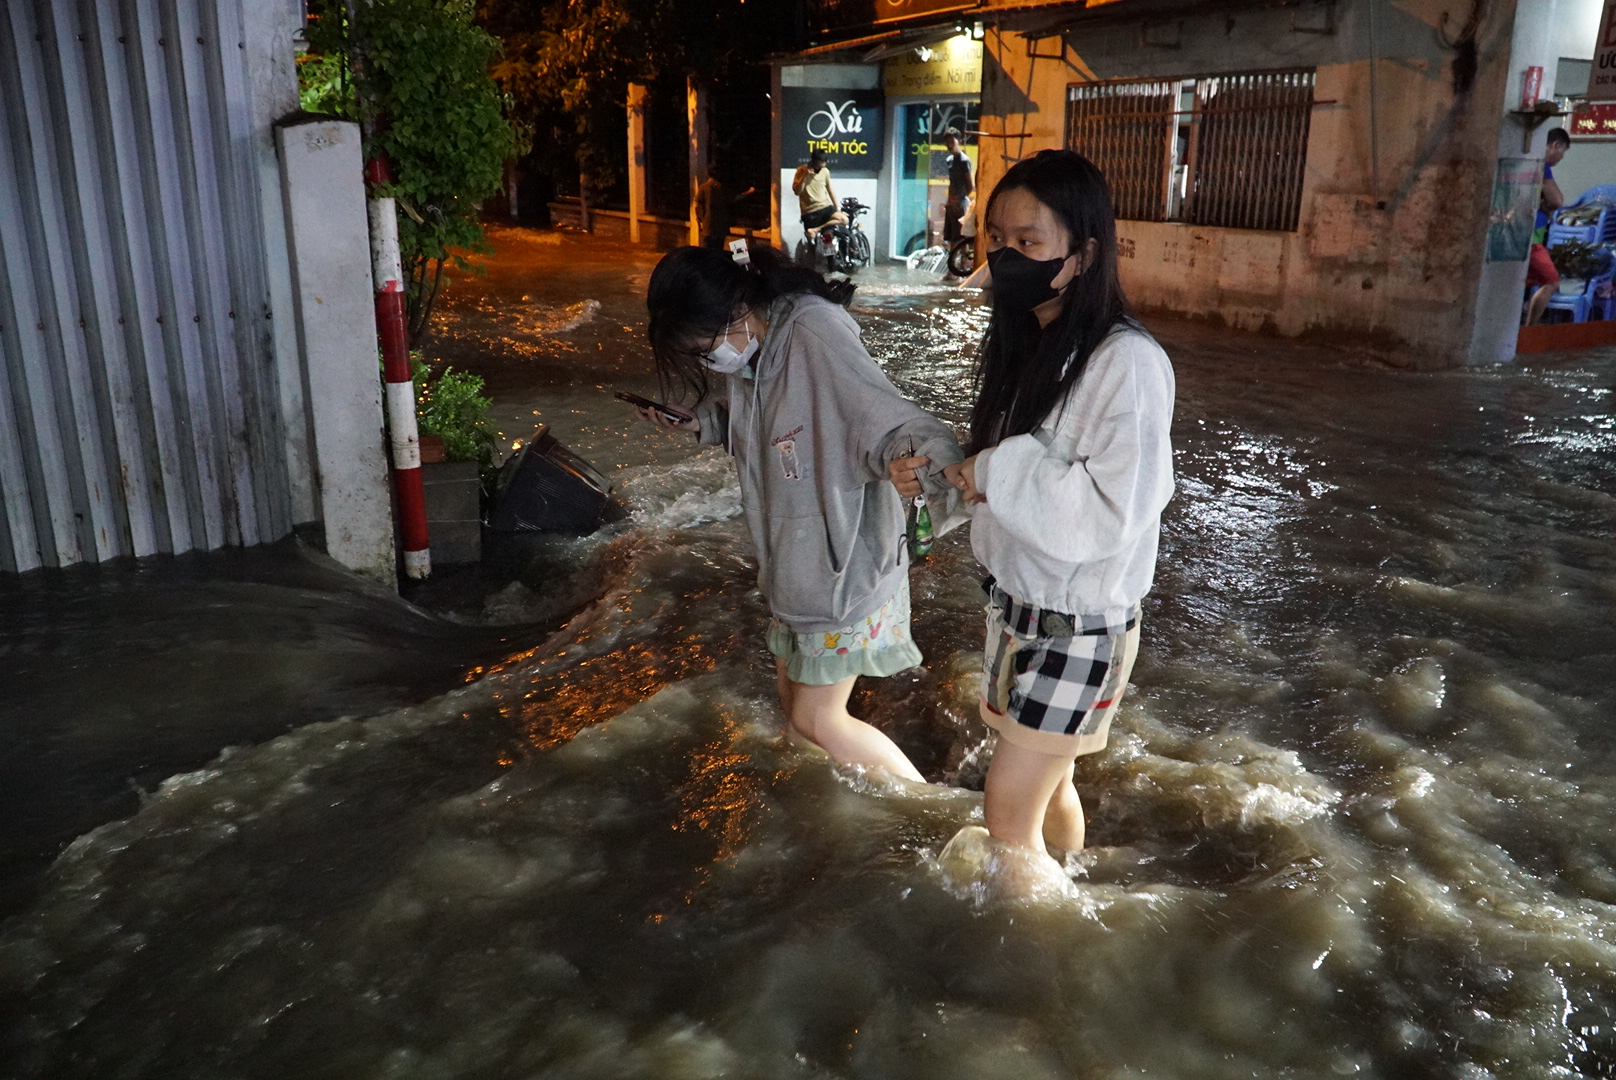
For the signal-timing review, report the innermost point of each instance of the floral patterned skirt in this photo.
(878, 645)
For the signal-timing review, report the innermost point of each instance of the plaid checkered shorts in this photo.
(1051, 681)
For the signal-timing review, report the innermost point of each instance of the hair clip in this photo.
(738, 252)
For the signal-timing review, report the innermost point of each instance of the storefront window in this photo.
(923, 168)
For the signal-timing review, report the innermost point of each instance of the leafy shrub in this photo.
(452, 406)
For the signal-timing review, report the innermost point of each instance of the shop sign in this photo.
(952, 67)
(1593, 120)
(1602, 78)
(844, 125)
(894, 10)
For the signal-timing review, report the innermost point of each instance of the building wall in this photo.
(1398, 177)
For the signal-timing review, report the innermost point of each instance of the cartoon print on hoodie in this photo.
(788, 459)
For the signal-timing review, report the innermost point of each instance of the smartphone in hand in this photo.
(672, 414)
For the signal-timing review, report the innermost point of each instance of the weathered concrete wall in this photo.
(1394, 205)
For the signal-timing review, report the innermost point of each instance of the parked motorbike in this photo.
(846, 247)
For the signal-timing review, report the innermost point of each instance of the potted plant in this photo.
(1577, 262)
(452, 413)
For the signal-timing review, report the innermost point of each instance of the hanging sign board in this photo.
(844, 125)
(950, 67)
(1593, 120)
(1602, 79)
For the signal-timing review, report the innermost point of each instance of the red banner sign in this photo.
(1593, 120)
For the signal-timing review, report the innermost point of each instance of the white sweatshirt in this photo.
(1074, 508)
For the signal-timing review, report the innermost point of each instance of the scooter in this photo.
(962, 254)
(845, 247)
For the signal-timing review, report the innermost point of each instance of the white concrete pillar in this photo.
(696, 112)
(328, 243)
(1502, 285)
(776, 156)
(636, 160)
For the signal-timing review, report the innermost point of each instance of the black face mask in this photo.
(1020, 283)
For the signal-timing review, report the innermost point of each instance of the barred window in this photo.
(1220, 150)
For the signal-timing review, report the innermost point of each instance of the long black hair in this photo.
(696, 293)
(1022, 369)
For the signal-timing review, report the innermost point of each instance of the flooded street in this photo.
(1357, 816)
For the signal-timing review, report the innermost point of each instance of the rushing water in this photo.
(1357, 817)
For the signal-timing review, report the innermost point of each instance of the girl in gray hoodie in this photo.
(812, 423)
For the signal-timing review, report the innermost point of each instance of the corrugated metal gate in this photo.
(138, 410)
(1251, 150)
(1227, 150)
(1126, 129)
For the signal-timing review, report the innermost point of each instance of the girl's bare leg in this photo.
(783, 686)
(1063, 818)
(819, 713)
(1022, 786)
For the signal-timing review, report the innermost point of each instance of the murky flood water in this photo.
(1357, 818)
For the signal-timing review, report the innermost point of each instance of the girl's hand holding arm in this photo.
(963, 476)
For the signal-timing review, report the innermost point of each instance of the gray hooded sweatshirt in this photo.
(812, 434)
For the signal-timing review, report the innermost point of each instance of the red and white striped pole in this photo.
(393, 333)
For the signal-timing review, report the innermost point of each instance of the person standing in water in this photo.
(961, 186)
(812, 423)
(1072, 467)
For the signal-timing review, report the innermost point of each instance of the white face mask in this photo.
(727, 359)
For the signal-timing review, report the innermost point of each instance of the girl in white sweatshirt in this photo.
(1071, 469)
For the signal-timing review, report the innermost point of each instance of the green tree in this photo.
(415, 75)
(567, 63)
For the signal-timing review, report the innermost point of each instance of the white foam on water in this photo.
(697, 491)
(540, 318)
(981, 870)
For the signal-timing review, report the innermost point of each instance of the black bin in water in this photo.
(546, 488)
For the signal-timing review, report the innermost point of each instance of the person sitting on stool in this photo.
(1542, 278)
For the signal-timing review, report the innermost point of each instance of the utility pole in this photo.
(636, 159)
(696, 111)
